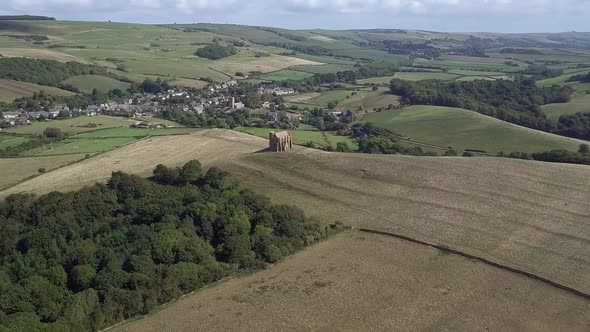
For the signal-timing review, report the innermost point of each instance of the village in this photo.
(214, 100)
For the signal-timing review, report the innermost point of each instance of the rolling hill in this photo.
(10, 90)
(529, 215)
(465, 129)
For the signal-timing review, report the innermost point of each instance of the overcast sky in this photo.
(439, 15)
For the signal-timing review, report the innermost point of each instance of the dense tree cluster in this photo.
(216, 51)
(515, 101)
(373, 69)
(404, 47)
(541, 72)
(584, 78)
(148, 86)
(511, 50)
(574, 125)
(582, 156)
(45, 72)
(84, 260)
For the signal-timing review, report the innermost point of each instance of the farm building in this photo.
(279, 142)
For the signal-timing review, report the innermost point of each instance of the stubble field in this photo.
(362, 282)
(533, 216)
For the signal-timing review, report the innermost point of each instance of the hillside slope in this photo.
(526, 214)
(464, 129)
(362, 282)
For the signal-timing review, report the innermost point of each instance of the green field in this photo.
(465, 129)
(80, 146)
(579, 103)
(324, 69)
(283, 75)
(561, 79)
(370, 100)
(329, 96)
(134, 132)
(8, 141)
(302, 137)
(86, 83)
(72, 126)
(410, 76)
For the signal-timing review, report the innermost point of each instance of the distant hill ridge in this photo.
(25, 18)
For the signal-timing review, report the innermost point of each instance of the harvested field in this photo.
(302, 97)
(385, 285)
(188, 83)
(10, 90)
(34, 53)
(14, 170)
(210, 147)
(530, 215)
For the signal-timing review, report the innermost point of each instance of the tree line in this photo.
(44, 72)
(216, 51)
(84, 260)
(516, 101)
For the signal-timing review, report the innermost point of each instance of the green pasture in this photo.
(73, 125)
(87, 83)
(465, 129)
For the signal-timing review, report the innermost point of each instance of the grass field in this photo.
(324, 69)
(526, 214)
(134, 132)
(370, 100)
(72, 126)
(385, 285)
(14, 170)
(465, 129)
(8, 141)
(284, 75)
(81, 146)
(410, 76)
(561, 79)
(86, 83)
(302, 137)
(10, 90)
(579, 103)
(330, 96)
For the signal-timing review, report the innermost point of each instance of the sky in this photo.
(436, 15)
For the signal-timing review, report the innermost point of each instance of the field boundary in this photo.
(486, 261)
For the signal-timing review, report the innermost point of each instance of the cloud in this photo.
(425, 7)
(472, 15)
(120, 5)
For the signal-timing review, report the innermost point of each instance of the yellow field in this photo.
(185, 82)
(15, 170)
(10, 90)
(34, 53)
(530, 215)
(247, 63)
(361, 282)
